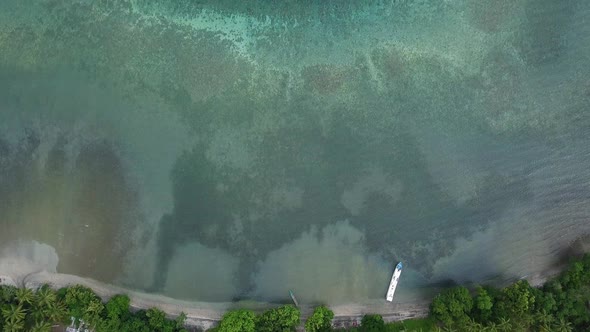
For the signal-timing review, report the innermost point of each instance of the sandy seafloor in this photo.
(214, 152)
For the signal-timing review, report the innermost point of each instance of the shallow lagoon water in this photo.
(214, 152)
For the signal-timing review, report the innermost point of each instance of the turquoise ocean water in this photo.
(219, 150)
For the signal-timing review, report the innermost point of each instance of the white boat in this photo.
(393, 283)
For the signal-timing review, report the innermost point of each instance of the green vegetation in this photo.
(282, 319)
(419, 324)
(237, 321)
(453, 305)
(562, 304)
(320, 320)
(372, 323)
(23, 309)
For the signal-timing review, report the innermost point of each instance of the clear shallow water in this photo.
(215, 152)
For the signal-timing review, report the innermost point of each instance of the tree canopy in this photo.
(24, 309)
(372, 323)
(282, 319)
(562, 304)
(118, 307)
(320, 320)
(453, 306)
(237, 321)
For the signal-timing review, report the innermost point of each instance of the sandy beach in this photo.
(203, 315)
(23, 272)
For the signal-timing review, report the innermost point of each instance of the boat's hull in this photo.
(394, 281)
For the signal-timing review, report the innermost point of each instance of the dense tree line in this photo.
(562, 304)
(23, 309)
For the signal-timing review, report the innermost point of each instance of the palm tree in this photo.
(92, 313)
(41, 327)
(504, 325)
(12, 326)
(492, 327)
(519, 327)
(545, 328)
(14, 313)
(24, 295)
(527, 320)
(563, 325)
(44, 303)
(7, 293)
(57, 312)
(544, 319)
(45, 297)
(37, 313)
(473, 326)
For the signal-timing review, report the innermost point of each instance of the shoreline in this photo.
(204, 315)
